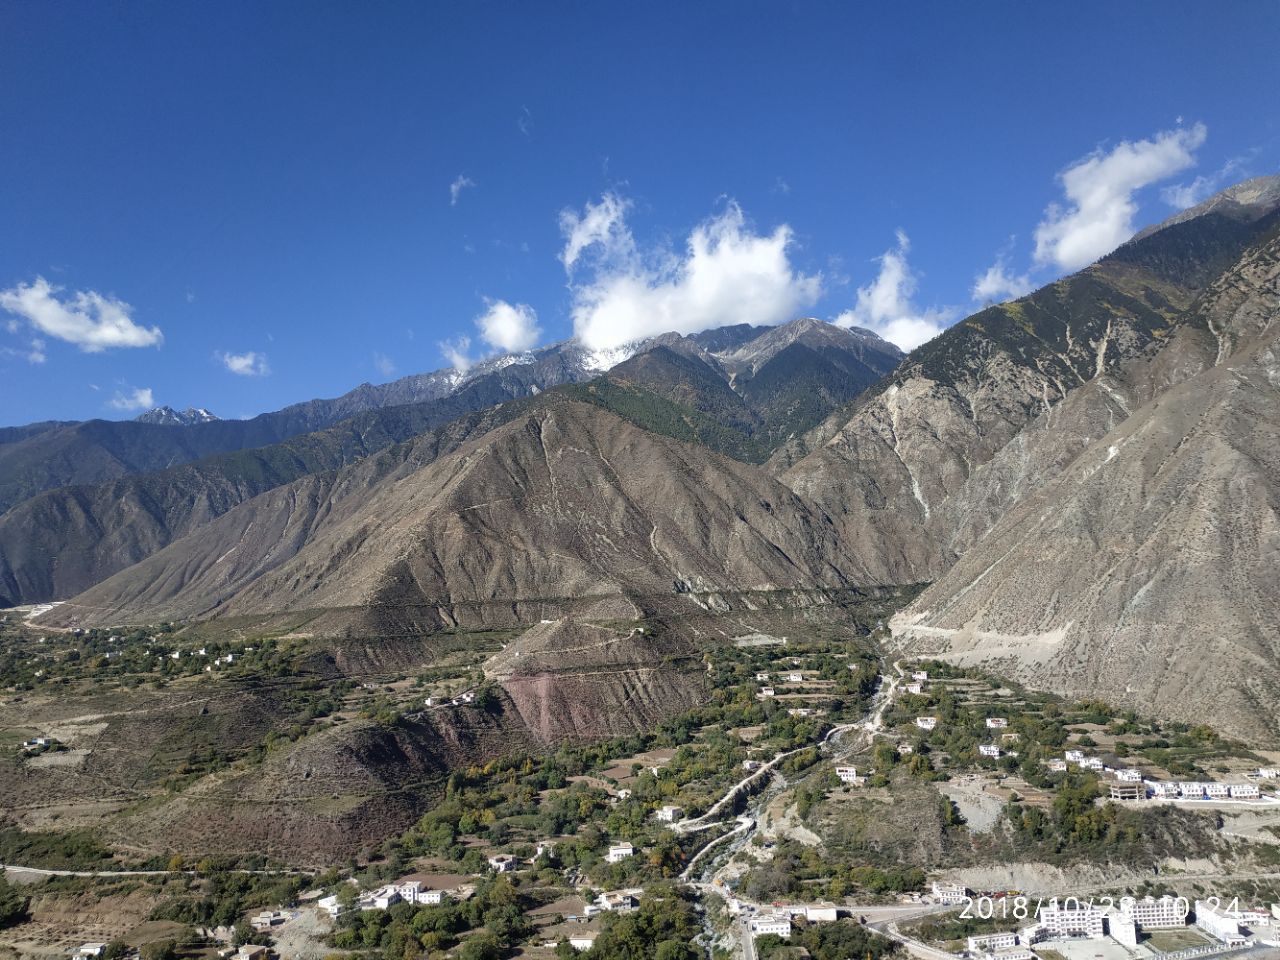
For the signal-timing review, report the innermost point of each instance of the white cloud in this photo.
(250, 364)
(524, 122)
(92, 321)
(1180, 196)
(456, 352)
(35, 354)
(138, 398)
(726, 274)
(507, 327)
(885, 305)
(460, 183)
(1099, 211)
(384, 364)
(999, 283)
(602, 225)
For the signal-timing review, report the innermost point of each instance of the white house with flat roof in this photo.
(1129, 775)
(619, 852)
(989, 750)
(670, 813)
(926, 723)
(997, 723)
(1217, 921)
(778, 924)
(949, 892)
(990, 942)
(1151, 913)
(847, 774)
(920, 675)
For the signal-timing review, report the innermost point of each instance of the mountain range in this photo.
(1085, 478)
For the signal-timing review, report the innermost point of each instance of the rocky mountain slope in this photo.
(886, 468)
(62, 541)
(176, 418)
(1142, 568)
(565, 505)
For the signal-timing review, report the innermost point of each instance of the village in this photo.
(787, 715)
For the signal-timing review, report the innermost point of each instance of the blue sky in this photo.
(242, 205)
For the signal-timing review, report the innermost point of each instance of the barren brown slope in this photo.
(886, 469)
(1144, 572)
(565, 503)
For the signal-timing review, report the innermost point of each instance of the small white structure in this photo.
(1191, 790)
(582, 941)
(1073, 756)
(670, 813)
(1244, 791)
(997, 723)
(766, 691)
(822, 914)
(847, 774)
(619, 852)
(763, 677)
(750, 765)
(926, 723)
(91, 949)
(503, 863)
(1091, 763)
(920, 675)
(1164, 791)
(989, 750)
(778, 924)
(915, 688)
(794, 677)
(906, 749)
(1129, 775)
(330, 905)
(1268, 773)
(800, 711)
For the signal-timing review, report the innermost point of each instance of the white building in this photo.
(1073, 756)
(949, 892)
(1058, 920)
(1217, 922)
(503, 863)
(1122, 929)
(997, 723)
(1129, 775)
(1217, 791)
(920, 675)
(822, 914)
(991, 942)
(619, 852)
(750, 765)
(1091, 763)
(766, 691)
(905, 749)
(671, 813)
(775, 923)
(582, 941)
(1244, 791)
(847, 774)
(1191, 790)
(1150, 913)
(926, 723)
(794, 677)
(91, 949)
(619, 901)
(1164, 791)
(1057, 766)
(801, 711)
(915, 688)
(1269, 773)
(764, 677)
(989, 750)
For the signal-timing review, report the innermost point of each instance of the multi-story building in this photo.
(1151, 913)
(1122, 929)
(775, 923)
(1059, 920)
(997, 723)
(926, 723)
(1217, 922)
(1244, 791)
(1120, 790)
(949, 892)
(670, 813)
(989, 750)
(1129, 775)
(847, 774)
(989, 943)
